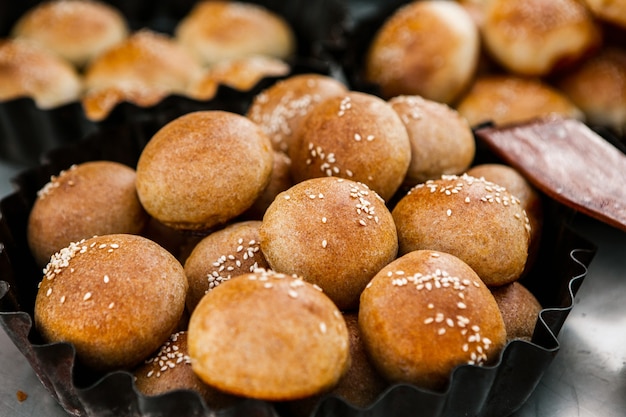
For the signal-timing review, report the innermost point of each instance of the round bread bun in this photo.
(203, 169)
(280, 180)
(143, 68)
(215, 31)
(613, 11)
(28, 70)
(528, 196)
(442, 141)
(116, 298)
(537, 37)
(76, 30)
(280, 108)
(223, 254)
(476, 220)
(519, 308)
(335, 233)
(598, 87)
(92, 198)
(268, 336)
(169, 369)
(504, 99)
(427, 313)
(239, 73)
(426, 48)
(356, 136)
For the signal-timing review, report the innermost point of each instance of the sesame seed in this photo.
(324, 243)
(111, 305)
(106, 279)
(87, 296)
(48, 292)
(292, 293)
(323, 327)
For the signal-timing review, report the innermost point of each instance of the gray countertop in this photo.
(586, 379)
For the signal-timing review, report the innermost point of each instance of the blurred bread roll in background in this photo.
(214, 31)
(504, 99)
(613, 11)
(598, 87)
(76, 30)
(29, 70)
(142, 69)
(428, 48)
(536, 37)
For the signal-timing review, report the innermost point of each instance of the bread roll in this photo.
(537, 37)
(268, 336)
(427, 48)
(427, 313)
(76, 30)
(442, 141)
(476, 220)
(29, 70)
(116, 298)
(142, 69)
(504, 99)
(335, 233)
(356, 136)
(214, 31)
(221, 255)
(519, 308)
(280, 108)
(598, 87)
(92, 198)
(203, 169)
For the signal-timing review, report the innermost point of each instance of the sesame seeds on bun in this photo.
(116, 298)
(335, 233)
(425, 314)
(476, 220)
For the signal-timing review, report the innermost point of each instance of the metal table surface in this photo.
(586, 379)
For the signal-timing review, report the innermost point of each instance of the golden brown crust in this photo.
(223, 254)
(203, 169)
(504, 99)
(335, 233)
(441, 139)
(426, 313)
(268, 336)
(116, 298)
(356, 136)
(280, 108)
(476, 220)
(427, 48)
(92, 198)
(239, 73)
(214, 31)
(145, 59)
(170, 369)
(77, 30)
(28, 70)
(519, 308)
(598, 87)
(536, 37)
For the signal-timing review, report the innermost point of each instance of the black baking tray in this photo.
(496, 390)
(27, 132)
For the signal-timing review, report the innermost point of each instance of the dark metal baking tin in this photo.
(496, 390)
(27, 132)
